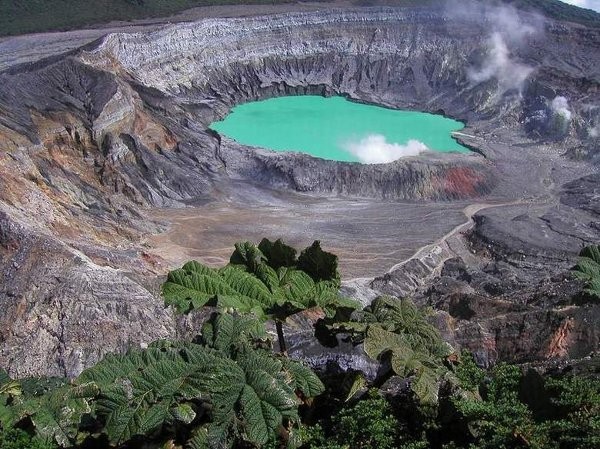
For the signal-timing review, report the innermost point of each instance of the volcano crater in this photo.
(110, 174)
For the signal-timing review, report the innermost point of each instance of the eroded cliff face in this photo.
(91, 140)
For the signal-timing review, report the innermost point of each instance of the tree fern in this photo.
(396, 331)
(250, 392)
(266, 281)
(588, 269)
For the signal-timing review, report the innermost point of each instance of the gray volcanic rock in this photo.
(517, 302)
(92, 139)
(63, 312)
(427, 177)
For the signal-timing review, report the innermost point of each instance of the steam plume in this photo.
(498, 64)
(560, 108)
(509, 31)
(374, 149)
(561, 116)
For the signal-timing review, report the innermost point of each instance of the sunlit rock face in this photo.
(90, 140)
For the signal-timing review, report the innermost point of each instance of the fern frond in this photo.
(302, 378)
(588, 269)
(199, 439)
(278, 254)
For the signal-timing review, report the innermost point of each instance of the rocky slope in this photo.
(92, 139)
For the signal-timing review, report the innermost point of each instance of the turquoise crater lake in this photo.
(338, 129)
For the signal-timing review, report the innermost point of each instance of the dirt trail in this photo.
(435, 254)
(469, 211)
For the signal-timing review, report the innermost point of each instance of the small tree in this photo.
(396, 331)
(267, 280)
(225, 390)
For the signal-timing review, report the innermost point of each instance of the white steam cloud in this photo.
(561, 115)
(498, 64)
(509, 31)
(560, 107)
(374, 149)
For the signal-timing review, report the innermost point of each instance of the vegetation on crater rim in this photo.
(588, 269)
(227, 388)
(30, 16)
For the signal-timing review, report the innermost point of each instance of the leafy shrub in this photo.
(497, 415)
(369, 423)
(396, 331)
(469, 375)
(499, 419)
(267, 281)
(52, 407)
(19, 439)
(588, 269)
(578, 405)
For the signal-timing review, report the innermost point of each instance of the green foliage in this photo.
(588, 269)
(270, 284)
(226, 333)
(54, 408)
(369, 423)
(142, 390)
(250, 392)
(398, 316)
(253, 282)
(278, 253)
(487, 410)
(262, 392)
(28, 16)
(314, 437)
(500, 419)
(498, 416)
(320, 265)
(469, 375)
(578, 403)
(19, 439)
(8, 387)
(397, 331)
(226, 390)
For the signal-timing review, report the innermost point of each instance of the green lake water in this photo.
(337, 129)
